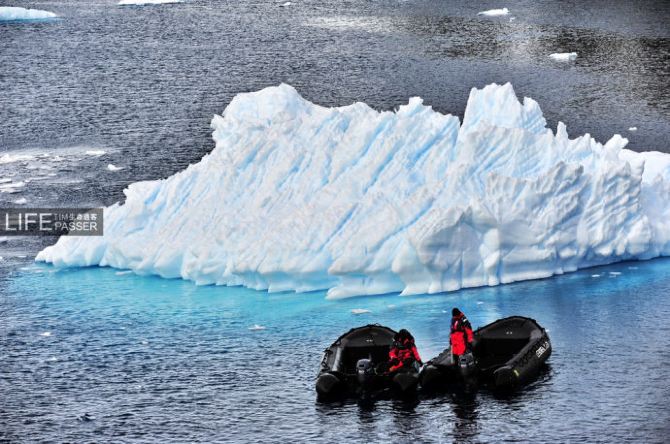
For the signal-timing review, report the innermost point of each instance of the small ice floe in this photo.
(146, 2)
(595, 275)
(511, 19)
(632, 268)
(11, 14)
(284, 5)
(111, 167)
(12, 187)
(21, 201)
(3, 240)
(5, 180)
(45, 334)
(58, 158)
(494, 12)
(563, 56)
(256, 327)
(391, 306)
(615, 273)
(95, 152)
(632, 128)
(123, 273)
(144, 342)
(359, 311)
(11, 158)
(480, 302)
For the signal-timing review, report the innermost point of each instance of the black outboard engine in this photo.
(365, 373)
(466, 364)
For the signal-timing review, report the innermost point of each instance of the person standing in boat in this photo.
(461, 334)
(403, 353)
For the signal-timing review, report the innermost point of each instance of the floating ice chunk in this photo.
(480, 303)
(111, 167)
(123, 273)
(146, 2)
(563, 56)
(284, 5)
(5, 180)
(367, 202)
(9, 13)
(494, 12)
(95, 152)
(46, 334)
(256, 327)
(11, 158)
(358, 311)
(21, 201)
(12, 187)
(632, 268)
(595, 275)
(632, 128)
(615, 273)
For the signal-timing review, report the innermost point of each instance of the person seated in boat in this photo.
(461, 334)
(403, 353)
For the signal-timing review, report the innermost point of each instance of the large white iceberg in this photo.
(10, 13)
(300, 197)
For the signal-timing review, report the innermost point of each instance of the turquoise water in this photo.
(92, 354)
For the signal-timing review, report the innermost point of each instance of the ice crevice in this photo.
(300, 197)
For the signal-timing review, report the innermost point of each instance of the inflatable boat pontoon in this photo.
(507, 353)
(356, 363)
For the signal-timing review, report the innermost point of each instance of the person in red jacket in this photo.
(403, 353)
(461, 334)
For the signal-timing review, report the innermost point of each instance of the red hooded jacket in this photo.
(461, 334)
(401, 354)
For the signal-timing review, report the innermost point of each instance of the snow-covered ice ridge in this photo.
(9, 13)
(300, 197)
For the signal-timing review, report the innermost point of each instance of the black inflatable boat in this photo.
(356, 364)
(506, 354)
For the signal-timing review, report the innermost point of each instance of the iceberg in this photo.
(113, 168)
(146, 2)
(563, 56)
(494, 12)
(10, 13)
(300, 197)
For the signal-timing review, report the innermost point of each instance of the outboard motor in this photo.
(466, 364)
(365, 372)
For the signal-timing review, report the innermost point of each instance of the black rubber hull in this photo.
(497, 370)
(524, 367)
(338, 378)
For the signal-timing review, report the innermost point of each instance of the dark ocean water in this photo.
(144, 359)
(89, 355)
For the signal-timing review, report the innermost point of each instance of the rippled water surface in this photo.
(95, 354)
(91, 355)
